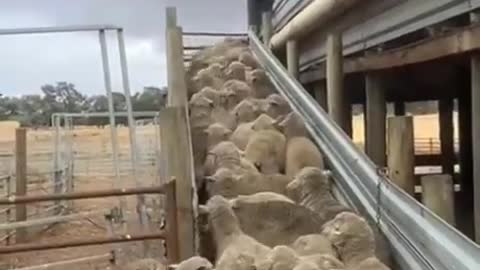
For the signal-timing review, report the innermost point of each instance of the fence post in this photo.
(437, 195)
(21, 180)
(267, 28)
(401, 156)
(8, 212)
(172, 234)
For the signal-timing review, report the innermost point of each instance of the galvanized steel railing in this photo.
(419, 239)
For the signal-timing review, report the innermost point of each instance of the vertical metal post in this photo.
(69, 158)
(8, 212)
(111, 111)
(437, 195)
(21, 180)
(320, 93)
(445, 107)
(131, 124)
(171, 17)
(292, 58)
(57, 170)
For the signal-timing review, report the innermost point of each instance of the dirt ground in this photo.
(93, 171)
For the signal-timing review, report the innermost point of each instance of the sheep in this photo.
(313, 244)
(200, 110)
(209, 93)
(260, 83)
(145, 264)
(222, 115)
(301, 152)
(246, 111)
(272, 219)
(205, 77)
(283, 257)
(248, 59)
(235, 249)
(354, 241)
(217, 133)
(236, 71)
(244, 131)
(292, 126)
(276, 106)
(266, 150)
(230, 183)
(311, 188)
(223, 155)
(236, 91)
(193, 263)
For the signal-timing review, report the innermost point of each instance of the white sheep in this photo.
(246, 111)
(210, 93)
(237, 90)
(223, 116)
(223, 155)
(276, 106)
(284, 258)
(260, 83)
(292, 126)
(313, 244)
(248, 59)
(311, 188)
(266, 150)
(244, 131)
(230, 183)
(236, 71)
(193, 263)
(145, 264)
(205, 78)
(200, 110)
(301, 152)
(235, 249)
(354, 241)
(217, 133)
(273, 219)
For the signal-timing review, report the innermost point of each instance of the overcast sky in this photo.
(29, 61)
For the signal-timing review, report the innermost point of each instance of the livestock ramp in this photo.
(419, 239)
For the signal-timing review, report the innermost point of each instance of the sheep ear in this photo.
(202, 210)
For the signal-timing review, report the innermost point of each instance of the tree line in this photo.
(36, 110)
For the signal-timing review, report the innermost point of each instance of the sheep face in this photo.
(308, 181)
(236, 70)
(217, 133)
(246, 111)
(221, 217)
(225, 154)
(263, 122)
(276, 106)
(195, 263)
(351, 236)
(209, 93)
(325, 262)
(215, 69)
(222, 182)
(200, 109)
(203, 79)
(248, 59)
(241, 89)
(292, 125)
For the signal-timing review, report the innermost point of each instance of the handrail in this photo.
(419, 238)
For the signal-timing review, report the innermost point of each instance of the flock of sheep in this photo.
(265, 194)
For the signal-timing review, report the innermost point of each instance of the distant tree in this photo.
(150, 99)
(63, 97)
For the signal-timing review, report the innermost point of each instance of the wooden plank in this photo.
(21, 180)
(177, 86)
(458, 42)
(175, 145)
(401, 152)
(172, 234)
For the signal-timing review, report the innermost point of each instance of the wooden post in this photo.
(376, 113)
(176, 144)
(171, 17)
(320, 94)
(438, 196)
(399, 108)
(445, 108)
(21, 180)
(337, 102)
(172, 233)
(401, 156)
(267, 27)
(292, 58)
(177, 86)
(475, 115)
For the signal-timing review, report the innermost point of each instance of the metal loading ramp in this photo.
(419, 239)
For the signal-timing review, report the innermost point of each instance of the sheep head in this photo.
(241, 89)
(217, 133)
(221, 217)
(351, 236)
(312, 244)
(276, 106)
(292, 125)
(325, 261)
(194, 263)
(236, 70)
(248, 59)
(263, 122)
(280, 258)
(309, 181)
(245, 111)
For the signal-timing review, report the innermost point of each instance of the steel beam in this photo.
(57, 29)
